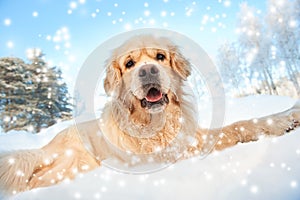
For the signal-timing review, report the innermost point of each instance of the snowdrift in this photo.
(267, 169)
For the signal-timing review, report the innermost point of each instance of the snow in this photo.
(267, 169)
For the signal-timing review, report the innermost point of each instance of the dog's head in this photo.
(146, 70)
(144, 78)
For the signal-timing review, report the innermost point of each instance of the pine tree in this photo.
(13, 89)
(34, 95)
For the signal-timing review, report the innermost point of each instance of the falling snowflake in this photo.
(163, 14)
(147, 13)
(254, 189)
(7, 22)
(35, 14)
(10, 44)
(227, 3)
(73, 5)
(77, 195)
(293, 184)
(128, 26)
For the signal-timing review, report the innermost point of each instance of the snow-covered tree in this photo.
(229, 65)
(14, 84)
(255, 43)
(51, 92)
(268, 49)
(283, 22)
(33, 96)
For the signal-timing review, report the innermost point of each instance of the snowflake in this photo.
(103, 189)
(71, 58)
(254, 189)
(147, 13)
(189, 12)
(227, 3)
(11, 161)
(294, 184)
(69, 152)
(97, 196)
(77, 195)
(152, 21)
(35, 14)
(244, 182)
(6, 119)
(73, 5)
(10, 44)
(30, 128)
(163, 13)
(128, 26)
(7, 22)
(293, 23)
(122, 183)
(269, 121)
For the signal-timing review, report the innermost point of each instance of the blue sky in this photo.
(69, 30)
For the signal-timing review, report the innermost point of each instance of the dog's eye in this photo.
(160, 57)
(130, 64)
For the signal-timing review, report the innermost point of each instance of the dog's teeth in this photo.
(144, 103)
(166, 99)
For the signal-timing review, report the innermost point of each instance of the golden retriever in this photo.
(149, 118)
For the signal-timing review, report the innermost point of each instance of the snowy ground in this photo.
(267, 169)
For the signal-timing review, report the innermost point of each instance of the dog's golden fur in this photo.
(164, 126)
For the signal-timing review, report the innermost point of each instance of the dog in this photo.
(150, 117)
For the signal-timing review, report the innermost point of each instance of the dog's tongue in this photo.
(153, 95)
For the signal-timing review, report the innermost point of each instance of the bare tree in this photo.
(283, 23)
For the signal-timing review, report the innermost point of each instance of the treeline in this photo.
(265, 59)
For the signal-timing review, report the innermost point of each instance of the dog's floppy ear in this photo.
(113, 76)
(179, 63)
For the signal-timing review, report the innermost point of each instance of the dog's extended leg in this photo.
(246, 131)
(251, 130)
(62, 158)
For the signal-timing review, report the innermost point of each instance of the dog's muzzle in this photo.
(154, 97)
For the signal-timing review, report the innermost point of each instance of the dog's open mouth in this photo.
(154, 95)
(154, 98)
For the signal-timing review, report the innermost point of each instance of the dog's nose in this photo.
(147, 70)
